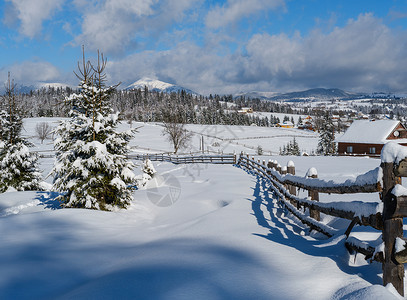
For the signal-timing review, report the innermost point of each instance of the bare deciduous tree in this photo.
(174, 128)
(43, 130)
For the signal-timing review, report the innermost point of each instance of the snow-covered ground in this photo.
(194, 232)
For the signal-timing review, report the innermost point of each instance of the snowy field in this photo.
(194, 232)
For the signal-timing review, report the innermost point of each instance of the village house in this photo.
(286, 124)
(245, 110)
(365, 137)
(307, 123)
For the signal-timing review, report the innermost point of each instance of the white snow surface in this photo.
(223, 237)
(399, 190)
(393, 153)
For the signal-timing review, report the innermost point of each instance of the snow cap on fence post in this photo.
(283, 170)
(393, 153)
(291, 167)
(312, 172)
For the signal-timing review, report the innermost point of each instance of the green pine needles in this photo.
(91, 169)
(18, 166)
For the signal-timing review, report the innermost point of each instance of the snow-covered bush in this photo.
(148, 173)
(91, 169)
(148, 168)
(18, 167)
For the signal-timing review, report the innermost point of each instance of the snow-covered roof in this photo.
(369, 132)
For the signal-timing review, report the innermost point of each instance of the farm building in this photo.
(286, 124)
(366, 137)
(307, 123)
(245, 110)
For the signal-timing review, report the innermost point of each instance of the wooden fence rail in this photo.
(188, 159)
(386, 215)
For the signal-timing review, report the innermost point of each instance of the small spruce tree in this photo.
(18, 166)
(326, 144)
(91, 169)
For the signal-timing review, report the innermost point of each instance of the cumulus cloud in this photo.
(234, 10)
(114, 25)
(31, 72)
(31, 14)
(364, 55)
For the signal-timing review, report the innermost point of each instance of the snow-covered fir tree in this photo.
(91, 169)
(292, 148)
(326, 144)
(18, 166)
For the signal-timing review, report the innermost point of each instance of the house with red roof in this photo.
(367, 137)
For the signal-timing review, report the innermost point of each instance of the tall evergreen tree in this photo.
(18, 166)
(91, 170)
(326, 144)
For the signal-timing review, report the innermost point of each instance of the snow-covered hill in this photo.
(317, 94)
(158, 86)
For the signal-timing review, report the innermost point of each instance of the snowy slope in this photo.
(222, 237)
(217, 241)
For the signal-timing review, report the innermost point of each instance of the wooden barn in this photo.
(365, 137)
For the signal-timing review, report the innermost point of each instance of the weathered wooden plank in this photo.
(401, 169)
(400, 210)
(314, 195)
(345, 189)
(393, 271)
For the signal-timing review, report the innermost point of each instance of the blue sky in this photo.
(211, 46)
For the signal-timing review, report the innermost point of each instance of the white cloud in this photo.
(234, 10)
(364, 55)
(114, 25)
(31, 72)
(32, 14)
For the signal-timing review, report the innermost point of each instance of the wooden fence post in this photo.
(312, 173)
(291, 170)
(393, 272)
(278, 168)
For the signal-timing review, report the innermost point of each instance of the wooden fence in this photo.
(188, 158)
(385, 215)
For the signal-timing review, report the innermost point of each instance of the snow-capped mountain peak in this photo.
(151, 84)
(157, 86)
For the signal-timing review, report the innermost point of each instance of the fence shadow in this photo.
(285, 230)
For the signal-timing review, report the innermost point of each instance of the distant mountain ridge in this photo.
(158, 86)
(307, 95)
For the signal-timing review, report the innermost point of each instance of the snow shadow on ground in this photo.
(170, 269)
(179, 269)
(287, 230)
(48, 199)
